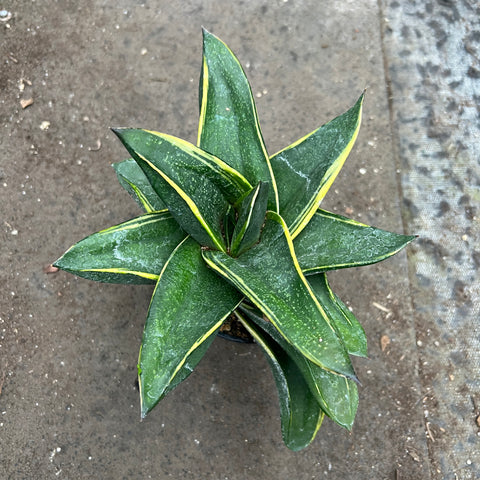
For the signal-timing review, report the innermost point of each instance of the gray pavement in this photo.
(68, 347)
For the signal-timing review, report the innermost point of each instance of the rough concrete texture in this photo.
(433, 57)
(68, 347)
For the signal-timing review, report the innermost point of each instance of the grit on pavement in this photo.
(69, 405)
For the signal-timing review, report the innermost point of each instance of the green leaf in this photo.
(250, 221)
(229, 225)
(191, 362)
(228, 126)
(301, 416)
(348, 327)
(336, 394)
(195, 186)
(134, 181)
(131, 252)
(188, 305)
(305, 170)
(269, 276)
(331, 241)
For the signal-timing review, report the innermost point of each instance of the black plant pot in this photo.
(234, 331)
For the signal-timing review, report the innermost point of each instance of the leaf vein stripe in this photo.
(122, 271)
(159, 216)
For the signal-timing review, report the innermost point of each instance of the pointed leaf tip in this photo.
(228, 125)
(250, 221)
(172, 344)
(117, 130)
(331, 241)
(305, 170)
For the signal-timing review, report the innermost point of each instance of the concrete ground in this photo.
(68, 347)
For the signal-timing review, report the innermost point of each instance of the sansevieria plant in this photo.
(232, 232)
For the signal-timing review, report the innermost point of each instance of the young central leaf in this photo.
(250, 221)
(270, 277)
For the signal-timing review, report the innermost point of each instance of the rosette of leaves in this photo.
(229, 230)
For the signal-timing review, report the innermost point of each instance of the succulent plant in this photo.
(231, 232)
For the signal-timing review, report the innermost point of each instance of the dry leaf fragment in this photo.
(429, 432)
(26, 102)
(384, 342)
(414, 455)
(50, 269)
(381, 307)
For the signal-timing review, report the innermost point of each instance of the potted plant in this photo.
(229, 232)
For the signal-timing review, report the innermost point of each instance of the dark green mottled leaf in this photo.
(348, 327)
(188, 305)
(300, 414)
(191, 362)
(229, 126)
(195, 186)
(269, 276)
(336, 395)
(134, 181)
(331, 241)
(131, 252)
(250, 220)
(305, 170)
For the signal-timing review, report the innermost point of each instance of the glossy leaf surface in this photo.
(131, 252)
(331, 242)
(300, 414)
(195, 186)
(336, 394)
(305, 170)
(229, 126)
(134, 181)
(250, 220)
(269, 276)
(348, 327)
(188, 305)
